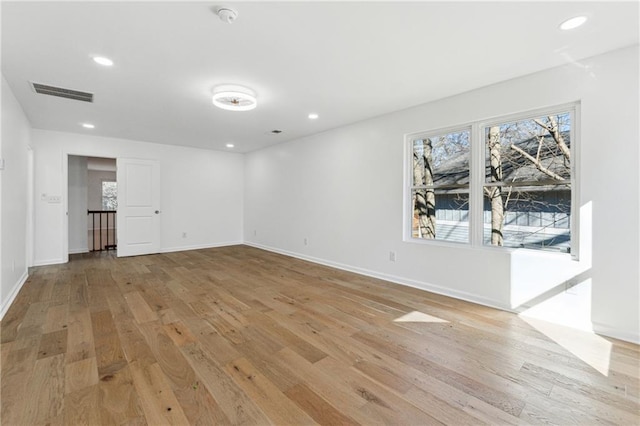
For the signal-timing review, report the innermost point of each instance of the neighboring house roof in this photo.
(515, 167)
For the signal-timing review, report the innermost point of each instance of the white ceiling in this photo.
(345, 61)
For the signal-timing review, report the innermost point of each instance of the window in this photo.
(109, 195)
(527, 185)
(440, 186)
(504, 183)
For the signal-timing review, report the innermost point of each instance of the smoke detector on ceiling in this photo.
(226, 14)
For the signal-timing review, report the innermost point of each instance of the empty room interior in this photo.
(401, 213)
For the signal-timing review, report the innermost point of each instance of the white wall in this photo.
(77, 196)
(342, 190)
(201, 190)
(13, 195)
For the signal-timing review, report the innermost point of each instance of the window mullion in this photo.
(476, 180)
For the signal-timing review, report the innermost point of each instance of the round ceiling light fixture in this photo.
(234, 98)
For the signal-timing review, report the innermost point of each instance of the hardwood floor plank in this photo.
(158, 401)
(13, 389)
(80, 375)
(119, 402)
(197, 403)
(468, 385)
(179, 333)
(139, 307)
(592, 406)
(80, 341)
(267, 325)
(317, 407)
(45, 390)
(237, 335)
(237, 406)
(440, 409)
(278, 408)
(52, 344)
(80, 406)
(582, 388)
(385, 403)
(56, 319)
(323, 383)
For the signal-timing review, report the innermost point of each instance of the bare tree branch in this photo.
(552, 128)
(537, 163)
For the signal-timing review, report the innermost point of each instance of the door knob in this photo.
(157, 211)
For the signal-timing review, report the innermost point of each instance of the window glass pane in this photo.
(109, 196)
(525, 204)
(441, 214)
(533, 217)
(441, 160)
(440, 193)
(536, 149)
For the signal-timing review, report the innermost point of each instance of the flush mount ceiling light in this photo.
(103, 61)
(230, 145)
(88, 126)
(234, 98)
(572, 23)
(313, 116)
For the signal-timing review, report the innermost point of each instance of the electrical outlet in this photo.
(392, 256)
(184, 235)
(255, 232)
(306, 241)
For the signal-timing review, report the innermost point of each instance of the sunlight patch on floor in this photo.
(566, 319)
(416, 316)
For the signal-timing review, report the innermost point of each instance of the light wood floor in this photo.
(238, 335)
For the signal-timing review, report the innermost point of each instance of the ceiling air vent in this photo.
(44, 89)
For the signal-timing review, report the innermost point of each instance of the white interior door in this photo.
(138, 206)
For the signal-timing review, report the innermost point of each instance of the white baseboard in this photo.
(469, 297)
(615, 333)
(199, 246)
(47, 262)
(12, 295)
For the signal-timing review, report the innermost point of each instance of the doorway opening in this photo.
(92, 204)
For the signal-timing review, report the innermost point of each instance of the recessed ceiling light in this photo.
(103, 61)
(313, 116)
(234, 98)
(230, 145)
(88, 126)
(572, 23)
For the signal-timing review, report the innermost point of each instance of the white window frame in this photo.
(408, 207)
(477, 176)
